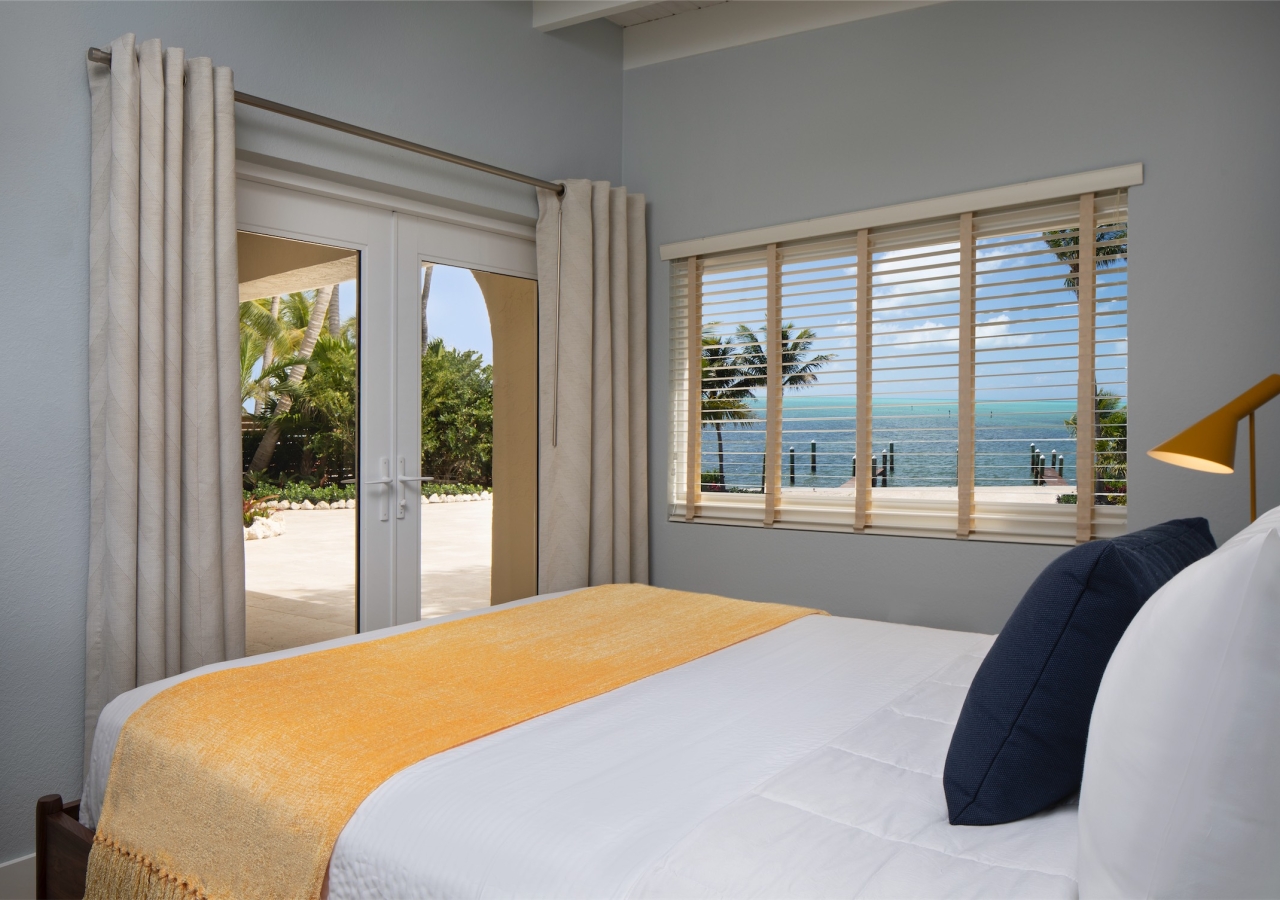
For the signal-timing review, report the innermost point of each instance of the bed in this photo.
(806, 761)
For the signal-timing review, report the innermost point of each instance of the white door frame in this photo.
(394, 236)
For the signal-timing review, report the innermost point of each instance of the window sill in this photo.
(998, 517)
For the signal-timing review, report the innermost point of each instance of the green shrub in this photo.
(296, 492)
(255, 508)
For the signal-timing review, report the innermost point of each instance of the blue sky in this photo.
(456, 311)
(347, 299)
(1025, 316)
(1026, 330)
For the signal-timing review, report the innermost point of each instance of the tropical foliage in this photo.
(1111, 449)
(255, 508)
(323, 406)
(298, 373)
(302, 381)
(457, 414)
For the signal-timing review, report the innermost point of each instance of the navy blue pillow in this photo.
(1018, 746)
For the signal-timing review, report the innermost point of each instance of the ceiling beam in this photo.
(735, 24)
(549, 15)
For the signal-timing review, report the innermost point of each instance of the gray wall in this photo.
(473, 78)
(958, 97)
(929, 102)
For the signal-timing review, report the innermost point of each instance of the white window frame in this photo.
(982, 520)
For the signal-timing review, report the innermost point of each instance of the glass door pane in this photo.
(476, 409)
(299, 328)
(457, 442)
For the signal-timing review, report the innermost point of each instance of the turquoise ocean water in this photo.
(924, 435)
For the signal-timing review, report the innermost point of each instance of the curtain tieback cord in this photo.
(555, 385)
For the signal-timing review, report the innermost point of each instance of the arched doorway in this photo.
(481, 549)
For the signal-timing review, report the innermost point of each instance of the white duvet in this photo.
(806, 762)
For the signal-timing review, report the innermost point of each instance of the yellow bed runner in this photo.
(236, 784)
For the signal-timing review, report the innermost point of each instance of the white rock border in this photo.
(458, 498)
(264, 527)
(307, 505)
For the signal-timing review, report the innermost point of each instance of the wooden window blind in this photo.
(819, 323)
(964, 376)
(915, 414)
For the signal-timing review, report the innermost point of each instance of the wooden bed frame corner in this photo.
(62, 849)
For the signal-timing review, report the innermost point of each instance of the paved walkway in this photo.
(457, 552)
(300, 587)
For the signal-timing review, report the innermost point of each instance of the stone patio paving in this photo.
(300, 586)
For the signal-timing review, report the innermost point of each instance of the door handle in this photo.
(404, 479)
(384, 511)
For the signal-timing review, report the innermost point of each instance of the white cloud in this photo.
(995, 333)
(942, 341)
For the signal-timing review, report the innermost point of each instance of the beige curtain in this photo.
(593, 521)
(166, 552)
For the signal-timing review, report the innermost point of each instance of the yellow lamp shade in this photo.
(1210, 444)
(1207, 446)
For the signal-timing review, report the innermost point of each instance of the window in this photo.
(925, 377)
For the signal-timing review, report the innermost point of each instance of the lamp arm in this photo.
(1246, 404)
(1263, 392)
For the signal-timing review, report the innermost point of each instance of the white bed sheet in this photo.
(804, 762)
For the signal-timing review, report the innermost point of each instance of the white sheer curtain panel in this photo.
(593, 519)
(166, 551)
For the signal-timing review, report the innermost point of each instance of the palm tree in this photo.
(1065, 244)
(259, 332)
(724, 393)
(268, 353)
(427, 269)
(798, 368)
(1111, 418)
(315, 321)
(335, 315)
(250, 353)
(743, 368)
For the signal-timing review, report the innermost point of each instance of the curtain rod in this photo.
(104, 57)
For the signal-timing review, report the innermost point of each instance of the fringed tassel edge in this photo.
(119, 874)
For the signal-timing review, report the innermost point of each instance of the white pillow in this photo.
(1265, 522)
(1181, 789)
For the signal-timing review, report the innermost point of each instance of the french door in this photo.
(392, 246)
